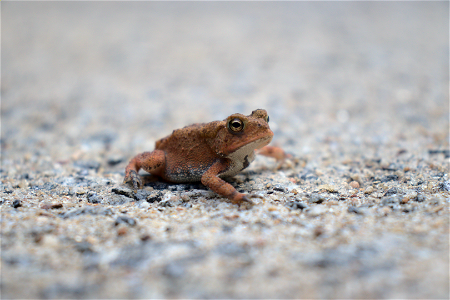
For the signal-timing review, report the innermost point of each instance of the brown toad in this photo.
(207, 152)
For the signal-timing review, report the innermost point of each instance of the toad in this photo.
(208, 152)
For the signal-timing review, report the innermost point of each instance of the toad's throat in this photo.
(243, 156)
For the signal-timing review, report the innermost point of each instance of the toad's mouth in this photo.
(256, 143)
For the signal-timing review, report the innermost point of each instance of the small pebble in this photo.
(354, 184)
(297, 205)
(16, 203)
(166, 203)
(50, 241)
(81, 192)
(141, 194)
(145, 237)
(318, 231)
(83, 247)
(356, 210)
(316, 198)
(185, 197)
(279, 189)
(445, 186)
(389, 178)
(391, 200)
(409, 196)
(115, 160)
(91, 210)
(369, 190)
(122, 231)
(391, 191)
(231, 217)
(120, 190)
(154, 196)
(356, 177)
(420, 198)
(329, 188)
(93, 198)
(51, 205)
(144, 205)
(368, 174)
(124, 220)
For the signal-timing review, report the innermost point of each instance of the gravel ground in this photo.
(356, 91)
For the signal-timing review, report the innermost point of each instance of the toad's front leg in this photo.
(152, 162)
(210, 179)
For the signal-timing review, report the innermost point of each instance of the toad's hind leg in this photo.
(274, 152)
(152, 162)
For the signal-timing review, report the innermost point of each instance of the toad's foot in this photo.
(284, 159)
(134, 180)
(152, 162)
(244, 200)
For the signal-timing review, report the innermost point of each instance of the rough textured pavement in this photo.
(356, 91)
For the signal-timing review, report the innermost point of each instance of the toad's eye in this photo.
(236, 125)
(267, 119)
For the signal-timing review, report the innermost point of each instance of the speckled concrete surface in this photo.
(357, 92)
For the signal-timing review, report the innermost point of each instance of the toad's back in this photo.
(188, 154)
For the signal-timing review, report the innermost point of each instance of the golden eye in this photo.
(236, 125)
(267, 119)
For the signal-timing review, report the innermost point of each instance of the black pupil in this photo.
(236, 124)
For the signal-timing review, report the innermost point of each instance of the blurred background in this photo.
(357, 90)
(120, 75)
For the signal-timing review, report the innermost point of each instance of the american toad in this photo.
(208, 152)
